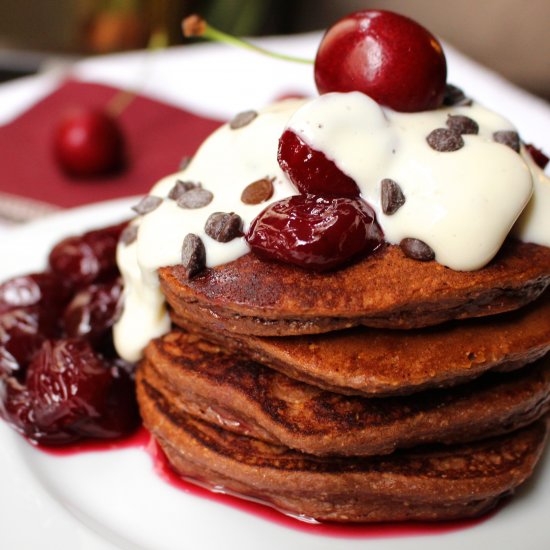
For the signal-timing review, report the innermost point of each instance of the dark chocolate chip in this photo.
(417, 250)
(258, 191)
(242, 119)
(444, 140)
(180, 188)
(195, 198)
(455, 96)
(224, 227)
(193, 255)
(509, 138)
(184, 162)
(462, 124)
(129, 234)
(392, 196)
(147, 204)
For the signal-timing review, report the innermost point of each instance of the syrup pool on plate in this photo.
(143, 441)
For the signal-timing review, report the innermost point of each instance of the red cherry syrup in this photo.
(142, 439)
(267, 512)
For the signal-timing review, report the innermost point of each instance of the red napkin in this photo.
(157, 135)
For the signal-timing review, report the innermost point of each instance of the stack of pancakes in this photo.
(389, 390)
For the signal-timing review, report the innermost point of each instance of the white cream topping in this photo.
(533, 226)
(462, 203)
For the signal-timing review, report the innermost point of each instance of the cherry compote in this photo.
(93, 310)
(69, 394)
(311, 171)
(20, 338)
(315, 233)
(30, 308)
(87, 259)
(60, 380)
(44, 289)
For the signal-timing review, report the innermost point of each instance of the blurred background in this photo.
(509, 36)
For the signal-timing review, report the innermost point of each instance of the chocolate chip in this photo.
(224, 227)
(455, 96)
(195, 198)
(462, 124)
(180, 188)
(509, 138)
(193, 255)
(417, 250)
(129, 234)
(184, 162)
(147, 204)
(242, 119)
(444, 140)
(392, 196)
(258, 191)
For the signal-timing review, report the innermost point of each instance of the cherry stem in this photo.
(195, 26)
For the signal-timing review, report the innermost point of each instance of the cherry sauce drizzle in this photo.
(142, 439)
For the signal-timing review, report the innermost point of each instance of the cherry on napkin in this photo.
(158, 137)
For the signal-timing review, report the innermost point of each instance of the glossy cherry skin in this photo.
(93, 310)
(311, 171)
(88, 258)
(315, 233)
(385, 55)
(20, 338)
(31, 290)
(89, 143)
(30, 308)
(70, 394)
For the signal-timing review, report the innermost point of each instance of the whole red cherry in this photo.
(385, 55)
(89, 143)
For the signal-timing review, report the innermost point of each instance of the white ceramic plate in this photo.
(114, 499)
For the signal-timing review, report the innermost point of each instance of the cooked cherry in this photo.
(385, 55)
(87, 259)
(72, 393)
(21, 335)
(60, 391)
(103, 243)
(93, 310)
(30, 307)
(315, 233)
(30, 290)
(16, 405)
(121, 413)
(311, 171)
(541, 160)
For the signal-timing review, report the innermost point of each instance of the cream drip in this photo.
(462, 203)
(533, 226)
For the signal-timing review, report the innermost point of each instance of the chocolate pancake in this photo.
(365, 361)
(387, 290)
(199, 378)
(421, 484)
